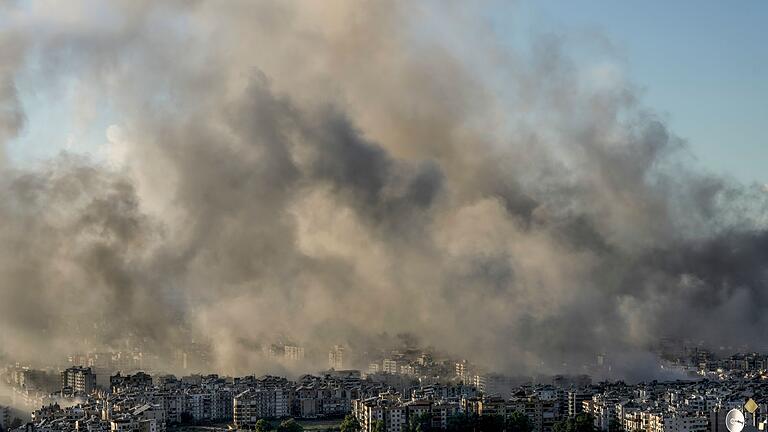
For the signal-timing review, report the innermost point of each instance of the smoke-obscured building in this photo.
(294, 353)
(78, 379)
(389, 366)
(336, 358)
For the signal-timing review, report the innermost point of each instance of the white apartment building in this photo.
(255, 404)
(633, 420)
(396, 414)
(386, 408)
(603, 410)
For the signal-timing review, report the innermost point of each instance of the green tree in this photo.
(462, 422)
(581, 423)
(186, 418)
(491, 423)
(614, 426)
(378, 426)
(290, 425)
(263, 426)
(350, 424)
(518, 422)
(420, 423)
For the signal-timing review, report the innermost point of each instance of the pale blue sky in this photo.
(703, 64)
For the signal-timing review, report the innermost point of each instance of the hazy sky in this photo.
(507, 182)
(702, 64)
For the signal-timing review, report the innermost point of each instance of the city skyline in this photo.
(424, 394)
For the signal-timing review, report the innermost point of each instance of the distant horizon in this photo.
(666, 356)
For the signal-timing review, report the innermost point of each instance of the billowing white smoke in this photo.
(326, 172)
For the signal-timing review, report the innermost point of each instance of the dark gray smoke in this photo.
(328, 172)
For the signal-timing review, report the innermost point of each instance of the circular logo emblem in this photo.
(734, 421)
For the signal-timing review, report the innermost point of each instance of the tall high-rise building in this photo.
(257, 403)
(336, 358)
(462, 370)
(576, 400)
(78, 379)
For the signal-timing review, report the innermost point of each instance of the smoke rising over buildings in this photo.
(328, 172)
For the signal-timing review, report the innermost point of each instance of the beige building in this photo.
(633, 420)
(336, 358)
(294, 353)
(389, 366)
(396, 415)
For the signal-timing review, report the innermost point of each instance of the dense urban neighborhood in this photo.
(405, 392)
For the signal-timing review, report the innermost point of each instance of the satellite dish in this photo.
(734, 421)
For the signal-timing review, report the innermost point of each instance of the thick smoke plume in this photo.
(329, 172)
